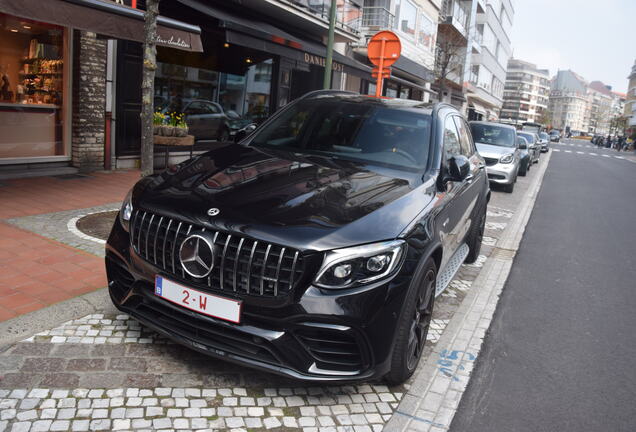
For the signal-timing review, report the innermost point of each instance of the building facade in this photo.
(53, 65)
(415, 22)
(569, 102)
(602, 102)
(630, 101)
(526, 93)
(487, 62)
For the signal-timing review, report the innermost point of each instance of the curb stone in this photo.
(435, 392)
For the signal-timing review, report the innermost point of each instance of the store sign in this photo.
(173, 42)
(321, 61)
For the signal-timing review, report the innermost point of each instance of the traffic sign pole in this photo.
(380, 81)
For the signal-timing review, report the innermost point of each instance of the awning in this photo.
(477, 107)
(105, 18)
(243, 31)
(409, 66)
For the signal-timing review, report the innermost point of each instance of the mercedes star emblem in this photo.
(213, 211)
(197, 256)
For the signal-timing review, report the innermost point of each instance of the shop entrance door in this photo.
(128, 98)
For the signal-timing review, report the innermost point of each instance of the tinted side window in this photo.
(465, 140)
(211, 109)
(452, 145)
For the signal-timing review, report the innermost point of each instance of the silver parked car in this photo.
(497, 144)
(545, 141)
(534, 147)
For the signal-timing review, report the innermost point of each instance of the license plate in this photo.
(203, 303)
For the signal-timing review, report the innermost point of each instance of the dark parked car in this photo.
(534, 146)
(526, 157)
(555, 136)
(315, 247)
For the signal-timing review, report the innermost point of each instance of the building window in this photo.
(406, 12)
(32, 88)
(426, 32)
(490, 40)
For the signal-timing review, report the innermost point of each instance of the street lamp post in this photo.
(326, 83)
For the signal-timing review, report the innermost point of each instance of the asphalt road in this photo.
(561, 351)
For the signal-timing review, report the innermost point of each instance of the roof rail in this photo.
(327, 92)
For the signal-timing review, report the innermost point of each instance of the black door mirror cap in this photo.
(458, 168)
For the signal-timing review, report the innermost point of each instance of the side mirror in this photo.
(458, 168)
(522, 145)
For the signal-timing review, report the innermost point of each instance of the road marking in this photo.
(580, 152)
(619, 157)
(594, 154)
(556, 150)
(568, 151)
(605, 155)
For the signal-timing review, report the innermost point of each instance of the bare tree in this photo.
(450, 56)
(147, 87)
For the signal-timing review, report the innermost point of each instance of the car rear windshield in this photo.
(527, 136)
(368, 132)
(493, 135)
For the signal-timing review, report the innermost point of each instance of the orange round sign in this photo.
(384, 48)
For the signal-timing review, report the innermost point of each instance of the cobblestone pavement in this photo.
(60, 227)
(107, 372)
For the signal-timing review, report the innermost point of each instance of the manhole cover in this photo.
(97, 224)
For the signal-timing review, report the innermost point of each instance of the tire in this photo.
(224, 135)
(523, 171)
(509, 188)
(413, 326)
(475, 237)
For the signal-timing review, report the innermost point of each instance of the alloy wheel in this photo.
(421, 320)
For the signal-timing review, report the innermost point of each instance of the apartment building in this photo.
(490, 50)
(602, 101)
(569, 102)
(526, 93)
(630, 101)
(454, 47)
(415, 22)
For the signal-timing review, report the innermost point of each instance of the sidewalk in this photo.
(37, 271)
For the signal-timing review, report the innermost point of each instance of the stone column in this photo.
(89, 101)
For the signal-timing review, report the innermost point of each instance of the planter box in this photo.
(174, 141)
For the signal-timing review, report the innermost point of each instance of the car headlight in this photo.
(348, 267)
(126, 211)
(507, 158)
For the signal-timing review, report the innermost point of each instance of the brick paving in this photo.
(37, 268)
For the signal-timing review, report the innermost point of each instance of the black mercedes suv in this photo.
(315, 248)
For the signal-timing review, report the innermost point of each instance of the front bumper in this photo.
(502, 173)
(314, 335)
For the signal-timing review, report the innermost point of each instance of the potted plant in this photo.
(181, 128)
(158, 120)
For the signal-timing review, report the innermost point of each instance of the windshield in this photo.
(367, 132)
(493, 135)
(527, 136)
(543, 135)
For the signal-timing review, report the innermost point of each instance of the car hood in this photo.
(306, 202)
(488, 150)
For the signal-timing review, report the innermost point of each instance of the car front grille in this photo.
(240, 265)
(491, 161)
(332, 350)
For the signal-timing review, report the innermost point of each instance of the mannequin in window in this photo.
(5, 85)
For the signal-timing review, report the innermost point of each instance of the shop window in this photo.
(32, 88)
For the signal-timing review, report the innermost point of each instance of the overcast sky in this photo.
(596, 39)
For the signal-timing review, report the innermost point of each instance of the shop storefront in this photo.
(247, 70)
(53, 77)
(34, 77)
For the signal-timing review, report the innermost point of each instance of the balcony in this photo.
(375, 18)
(312, 16)
(454, 17)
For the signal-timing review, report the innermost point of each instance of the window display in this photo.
(31, 88)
